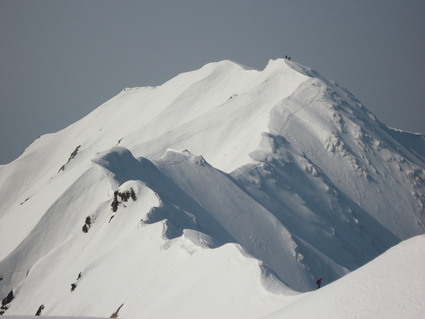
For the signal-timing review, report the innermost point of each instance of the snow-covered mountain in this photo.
(224, 192)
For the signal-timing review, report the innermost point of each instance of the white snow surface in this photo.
(391, 286)
(223, 193)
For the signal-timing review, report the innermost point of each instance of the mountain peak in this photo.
(271, 178)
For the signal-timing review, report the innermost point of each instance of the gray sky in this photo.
(60, 59)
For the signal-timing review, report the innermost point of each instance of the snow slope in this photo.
(225, 191)
(137, 258)
(391, 286)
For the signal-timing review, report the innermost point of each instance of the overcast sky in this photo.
(60, 59)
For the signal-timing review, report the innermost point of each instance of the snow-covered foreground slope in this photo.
(391, 286)
(223, 192)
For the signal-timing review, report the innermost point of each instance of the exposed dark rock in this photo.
(8, 299)
(133, 195)
(124, 196)
(115, 202)
(116, 313)
(38, 313)
(89, 221)
(114, 205)
(70, 158)
(73, 286)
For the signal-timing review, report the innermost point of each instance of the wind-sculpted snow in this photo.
(218, 194)
(238, 218)
(250, 224)
(119, 260)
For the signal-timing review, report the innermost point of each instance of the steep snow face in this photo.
(229, 185)
(327, 160)
(344, 142)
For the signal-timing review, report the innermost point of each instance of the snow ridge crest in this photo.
(224, 181)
